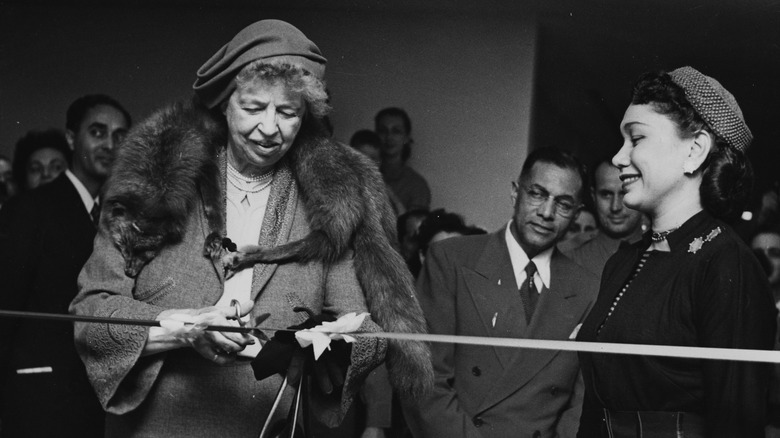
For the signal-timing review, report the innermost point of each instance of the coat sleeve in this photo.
(112, 353)
(734, 309)
(439, 414)
(569, 421)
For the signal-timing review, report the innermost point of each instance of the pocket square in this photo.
(574, 332)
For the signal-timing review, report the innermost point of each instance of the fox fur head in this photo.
(163, 168)
(140, 237)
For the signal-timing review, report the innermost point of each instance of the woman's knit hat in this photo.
(271, 40)
(715, 105)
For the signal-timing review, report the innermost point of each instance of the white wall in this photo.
(465, 77)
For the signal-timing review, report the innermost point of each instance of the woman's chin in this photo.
(633, 202)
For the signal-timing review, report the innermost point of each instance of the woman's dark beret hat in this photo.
(715, 105)
(271, 40)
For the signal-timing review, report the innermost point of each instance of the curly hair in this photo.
(293, 77)
(727, 176)
(32, 142)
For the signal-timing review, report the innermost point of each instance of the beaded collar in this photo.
(660, 237)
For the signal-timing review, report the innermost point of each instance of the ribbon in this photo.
(736, 354)
(168, 324)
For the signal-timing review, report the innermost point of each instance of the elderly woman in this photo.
(247, 164)
(690, 282)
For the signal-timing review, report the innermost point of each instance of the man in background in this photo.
(45, 239)
(511, 283)
(618, 223)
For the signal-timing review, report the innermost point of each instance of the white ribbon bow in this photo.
(321, 335)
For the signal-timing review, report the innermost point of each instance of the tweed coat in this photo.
(179, 393)
(468, 287)
(155, 249)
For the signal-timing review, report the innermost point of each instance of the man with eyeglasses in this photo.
(46, 237)
(617, 223)
(511, 283)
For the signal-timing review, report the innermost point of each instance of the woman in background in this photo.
(691, 282)
(394, 128)
(368, 143)
(39, 158)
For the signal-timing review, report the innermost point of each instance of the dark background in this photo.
(586, 55)
(590, 52)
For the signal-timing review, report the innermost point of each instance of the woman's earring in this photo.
(687, 169)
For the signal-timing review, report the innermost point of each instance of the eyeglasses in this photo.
(536, 196)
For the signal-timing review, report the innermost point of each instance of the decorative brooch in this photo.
(698, 242)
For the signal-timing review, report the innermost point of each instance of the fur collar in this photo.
(169, 161)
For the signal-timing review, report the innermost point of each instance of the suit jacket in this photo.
(468, 287)
(46, 237)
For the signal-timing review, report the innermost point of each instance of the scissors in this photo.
(236, 305)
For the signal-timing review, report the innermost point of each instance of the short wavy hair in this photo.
(294, 78)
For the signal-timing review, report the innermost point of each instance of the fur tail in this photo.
(389, 292)
(315, 246)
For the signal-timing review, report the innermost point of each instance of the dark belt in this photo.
(647, 424)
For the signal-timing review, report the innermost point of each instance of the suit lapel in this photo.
(493, 291)
(278, 222)
(78, 223)
(557, 314)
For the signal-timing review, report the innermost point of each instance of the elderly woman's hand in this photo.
(219, 347)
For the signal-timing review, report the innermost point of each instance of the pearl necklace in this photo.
(252, 184)
(639, 265)
(254, 178)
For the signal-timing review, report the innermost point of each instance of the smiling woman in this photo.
(691, 282)
(248, 162)
(263, 118)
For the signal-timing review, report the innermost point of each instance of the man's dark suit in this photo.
(46, 237)
(468, 287)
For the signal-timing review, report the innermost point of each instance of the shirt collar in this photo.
(86, 198)
(520, 259)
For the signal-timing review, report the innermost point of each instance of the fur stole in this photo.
(169, 161)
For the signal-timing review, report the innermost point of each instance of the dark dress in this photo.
(708, 291)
